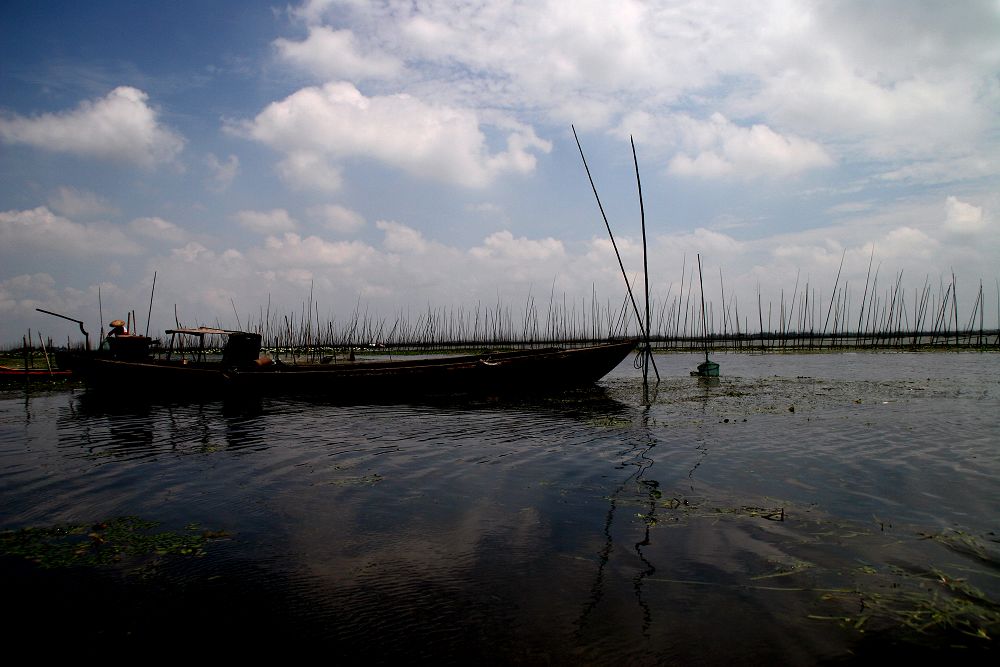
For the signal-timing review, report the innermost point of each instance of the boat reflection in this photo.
(136, 426)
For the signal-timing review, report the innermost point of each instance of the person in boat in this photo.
(118, 328)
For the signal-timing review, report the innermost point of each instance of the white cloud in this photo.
(803, 83)
(809, 255)
(40, 229)
(274, 221)
(308, 170)
(578, 61)
(704, 241)
(120, 126)
(911, 118)
(943, 169)
(19, 294)
(292, 250)
(335, 54)
(924, 36)
(718, 147)
(312, 11)
(409, 268)
(402, 239)
(338, 218)
(336, 121)
(74, 203)
(923, 91)
(601, 250)
(909, 243)
(222, 173)
(159, 229)
(192, 252)
(962, 217)
(503, 246)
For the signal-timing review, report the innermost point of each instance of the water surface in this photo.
(802, 509)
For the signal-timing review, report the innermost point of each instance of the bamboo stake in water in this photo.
(832, 298)
(608, 226)
(954, 297)
(704, 326)
(150, 314)
(45, 352)
(647, 353)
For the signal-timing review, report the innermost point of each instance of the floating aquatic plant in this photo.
(937, 604)
(118, 540)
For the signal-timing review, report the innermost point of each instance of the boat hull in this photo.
(520, 372)
(15, 373)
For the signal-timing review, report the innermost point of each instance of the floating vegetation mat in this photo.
(928, 603)
(919, 587)
(125, 541)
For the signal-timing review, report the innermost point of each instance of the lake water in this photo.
(803, 509)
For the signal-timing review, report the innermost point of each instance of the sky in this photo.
(399, 157)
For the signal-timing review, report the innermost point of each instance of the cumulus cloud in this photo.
(274, 221)
(159, 229)
(923, 91)
(336, 54)
(962, 217)
(120, 126)
(402, 239)
(337, 218)
(308, 170)
(812, 256)
(718, 147)
(909, 243)
(74, 203)
(908, 119)
(192, 252)
(503, 245)
(292, 250)
(19, 294)
(705, 241)
(800, 80)
(337, 122)
(579, 61)
(312, 11)
(41, 229)
(222, 173)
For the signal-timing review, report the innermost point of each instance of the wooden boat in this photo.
(241, 369)
(8, 373)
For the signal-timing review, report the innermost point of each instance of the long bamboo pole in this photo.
(610, 234)
(150, 314)
(647, 353)
(45, 352)
(704, 325)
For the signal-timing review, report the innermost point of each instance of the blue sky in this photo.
(420, 154)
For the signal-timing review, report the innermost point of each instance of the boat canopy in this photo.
(204, 331)
(242, 347)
